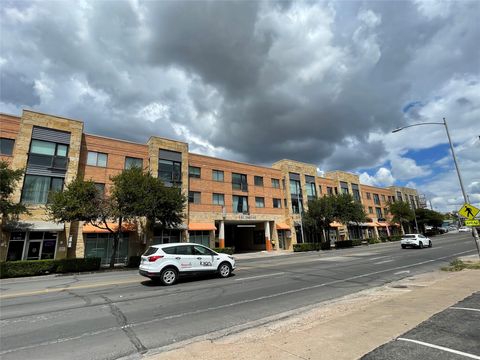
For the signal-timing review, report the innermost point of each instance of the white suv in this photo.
(415, 240)
(166, 262)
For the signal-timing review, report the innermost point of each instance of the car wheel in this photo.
(420, 245)
(224, 270)
(430, 244)
(168, 276)
(404, 246)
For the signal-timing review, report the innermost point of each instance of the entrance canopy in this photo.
(35, 226)
(282, 226)
(201, 227)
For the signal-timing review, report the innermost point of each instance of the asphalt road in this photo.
(120, 314)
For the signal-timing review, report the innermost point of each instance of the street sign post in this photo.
(468, 211)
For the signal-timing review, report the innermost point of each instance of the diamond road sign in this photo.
(469, 211)
(474, 222)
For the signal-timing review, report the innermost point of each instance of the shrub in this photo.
(27, 268)
(373, 241)
(343, 244)
(12, 269)
(305, 247)
(395, 238)
(325, 245)
(225, 250)
(357, 242)
(134, 261)
(77, 265)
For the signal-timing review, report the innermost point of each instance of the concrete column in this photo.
(376, 232)
(221, 235)
(388, 231)
(268, 243)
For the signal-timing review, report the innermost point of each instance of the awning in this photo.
(282, 226)
(90, 229)
(35, 226)
(201, 227)
(336, 224)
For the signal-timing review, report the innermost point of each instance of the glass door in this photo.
(33, 252)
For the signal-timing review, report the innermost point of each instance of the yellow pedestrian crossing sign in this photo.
(469, 211)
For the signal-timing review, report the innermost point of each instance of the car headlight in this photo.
(231, 257)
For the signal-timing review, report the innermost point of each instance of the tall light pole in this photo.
(444, 123)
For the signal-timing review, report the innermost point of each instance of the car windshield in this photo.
(409, 236)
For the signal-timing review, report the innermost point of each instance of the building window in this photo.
(285, 203)
(376, 199)
(329, 190)
(383, 198)
(297, 206)
(275, 183)
(101, 246)
(200, 237)
(217, 175)
(369, 196)
(100, 188)
(258, 180)
(399, 196)
(319, 189)
(239, 182)
(240, 204)
(170, 172)
(259, 202)
(194, 172)
(356, 192)
(370, 210)
(218, 199)
(310, 187)
(6, 146)
(97, 159)
(194, 197)
(379, 212)
(412, 202)
(344, 187)
(131, 162)
(277, 203)
(48, 154)
(36, 189)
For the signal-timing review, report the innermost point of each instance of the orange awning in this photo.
(336, 224)
(201, 226)
(90, 229)
(282, 226)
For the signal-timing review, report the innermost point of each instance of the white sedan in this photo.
(415, 240)
(166, 262)
(465, 229)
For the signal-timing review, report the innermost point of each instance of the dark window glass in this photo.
(97, 159)
(171, 250)
(170, 172)
(240, 204)
(15, 250)
(258, 180)
(370, 210)
(100, 188)
(6, 146)
(200, 250)
(379, 212)
(217, 175)
(239, 182)
(344, 187)
(36, 189)
(48, 249)
(194, 197)
(259, 202)
(329, 190)
(276, 183)
(194, 172)
(369, 196)
(184, 250)
(131, 162)
(152, 250)
(376, 199)
(277, 203)
(36, 235)
(218, 199)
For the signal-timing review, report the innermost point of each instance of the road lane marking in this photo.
(55, 290)
(463, 308)
(402, 272)
(453, 351)
(246, 301)
(259, 276)
(379, 257)
(382, 262)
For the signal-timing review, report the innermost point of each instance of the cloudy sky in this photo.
(319, 82)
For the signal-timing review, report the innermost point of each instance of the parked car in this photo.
(167, 262)
(442, 230)
(465, 229)
(452, 228)
(415, 240)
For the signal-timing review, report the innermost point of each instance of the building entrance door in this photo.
(33, 252)
(281, 240)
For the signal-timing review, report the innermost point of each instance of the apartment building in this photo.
(230, 204)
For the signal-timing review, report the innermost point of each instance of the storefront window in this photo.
(101, 245)
(200, 237)
(15, 246)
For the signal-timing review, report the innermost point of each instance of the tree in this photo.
(401, 212)
(323, 211)
(8, 182)
(429, 217)
(133, 194)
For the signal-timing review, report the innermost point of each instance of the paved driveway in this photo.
(450, 335)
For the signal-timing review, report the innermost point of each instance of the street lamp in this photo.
(444, 123)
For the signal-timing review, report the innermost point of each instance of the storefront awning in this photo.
(90, 229)
(282, 226)
(201, 227)
(35, 226)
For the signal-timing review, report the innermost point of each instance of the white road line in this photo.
(402, 272)
(471, 356)
(382, 262)
(259, 276)
(463, 308)
(379, 257)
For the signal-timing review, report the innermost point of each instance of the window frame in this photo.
(192, 196)
(278, 201)
(192, 174)
(50, 189)
(215, 176)
(218, 196)
(258, 180)
(2, 143)
(135, 165)
(260, 200)
(275, 183)
(96, 158)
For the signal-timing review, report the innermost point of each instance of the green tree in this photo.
(429, 217)
(401, 212)
(9, 178)
(323, 211)
(133, 194)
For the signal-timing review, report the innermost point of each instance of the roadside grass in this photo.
(459, 265)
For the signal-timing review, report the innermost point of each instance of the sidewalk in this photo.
(346, 328)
